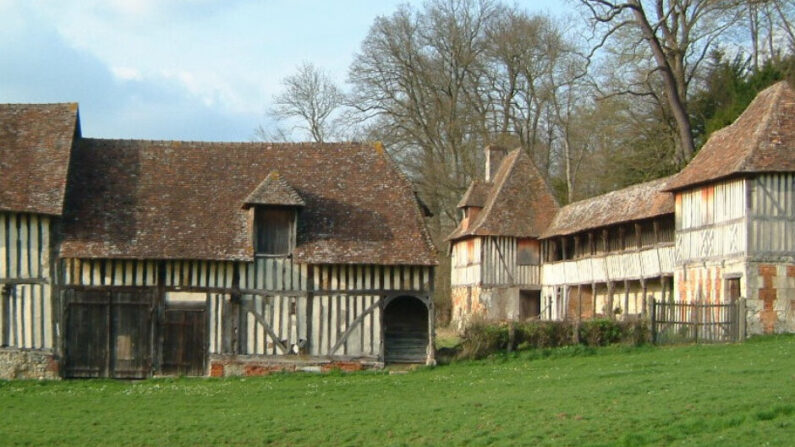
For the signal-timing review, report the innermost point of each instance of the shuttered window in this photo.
(527, 252)
(274, 231)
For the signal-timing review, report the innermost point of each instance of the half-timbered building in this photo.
(126, 258)
(721, 229)
(496, 256)
(605, 256)
(35, 144)
(735, 214)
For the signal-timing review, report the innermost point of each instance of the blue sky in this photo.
(178, 69)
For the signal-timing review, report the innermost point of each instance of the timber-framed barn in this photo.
(129, 258)
(721, 229)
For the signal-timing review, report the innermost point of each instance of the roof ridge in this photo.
(237, 143)
(622, 190)
(38, 103)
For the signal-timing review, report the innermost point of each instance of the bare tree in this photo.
(679, 35)
(309, 96)
(769, 21)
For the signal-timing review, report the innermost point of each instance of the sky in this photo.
(179, 69)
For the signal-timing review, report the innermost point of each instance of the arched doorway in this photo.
(406, 330)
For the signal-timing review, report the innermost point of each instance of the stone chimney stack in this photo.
(494, 156)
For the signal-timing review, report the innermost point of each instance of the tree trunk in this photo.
(671, 87)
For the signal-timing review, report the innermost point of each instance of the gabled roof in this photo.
(35, 144)
(183, 200)
(636, 202)
(518, 203)
(274, 191)
(762, 139)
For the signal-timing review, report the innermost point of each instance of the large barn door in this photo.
(131, 335)
(86, 340)
(108, 333)
(184, 336)
(405, 331)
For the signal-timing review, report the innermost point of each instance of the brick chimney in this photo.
(494, 156)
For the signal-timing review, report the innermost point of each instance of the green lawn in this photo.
(688, 395)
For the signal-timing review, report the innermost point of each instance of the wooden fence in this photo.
(678, 322)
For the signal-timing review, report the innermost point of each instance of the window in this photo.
(274, 231)
(527, 252)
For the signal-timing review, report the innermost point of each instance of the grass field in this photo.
(688, 395)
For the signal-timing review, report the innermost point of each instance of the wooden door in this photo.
(131, 335)
(184, 341)
(530, 304)
(405, 331)
(86, 339)
(108, 333)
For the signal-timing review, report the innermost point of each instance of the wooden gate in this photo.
(405, 331)
(184, 341)
(108, 333)
(679, 322)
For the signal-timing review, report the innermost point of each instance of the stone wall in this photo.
(27, 364)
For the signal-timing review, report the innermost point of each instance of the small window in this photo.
(527, 252)
(274, 231)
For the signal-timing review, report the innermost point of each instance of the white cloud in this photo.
(126, 73)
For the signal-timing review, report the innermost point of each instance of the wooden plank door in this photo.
(108, 333)
(184, 341)
(131, 334)
(86, 333)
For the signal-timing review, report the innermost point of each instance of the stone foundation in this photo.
(249, 366)
(27, 364)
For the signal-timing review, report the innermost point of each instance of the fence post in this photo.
(653, 313)
(741, 316)
(697, 319)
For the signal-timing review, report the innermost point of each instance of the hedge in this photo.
(482, 339)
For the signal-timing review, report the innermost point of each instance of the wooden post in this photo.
(579, 315)
(5, 329)
(626, 299)
(644, 291)
(609, 311)
(431, 357)
(653, 312)
(741, 319)
(638, 237)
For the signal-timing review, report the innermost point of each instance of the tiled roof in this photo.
(183, 200)
(476, 194)
(762, 139)
(641, 201)
(274, 191)
(35, 143)
(518, 203)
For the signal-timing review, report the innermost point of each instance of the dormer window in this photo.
(275, 230)
(273, 207)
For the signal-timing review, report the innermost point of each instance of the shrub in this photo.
(482, 338)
